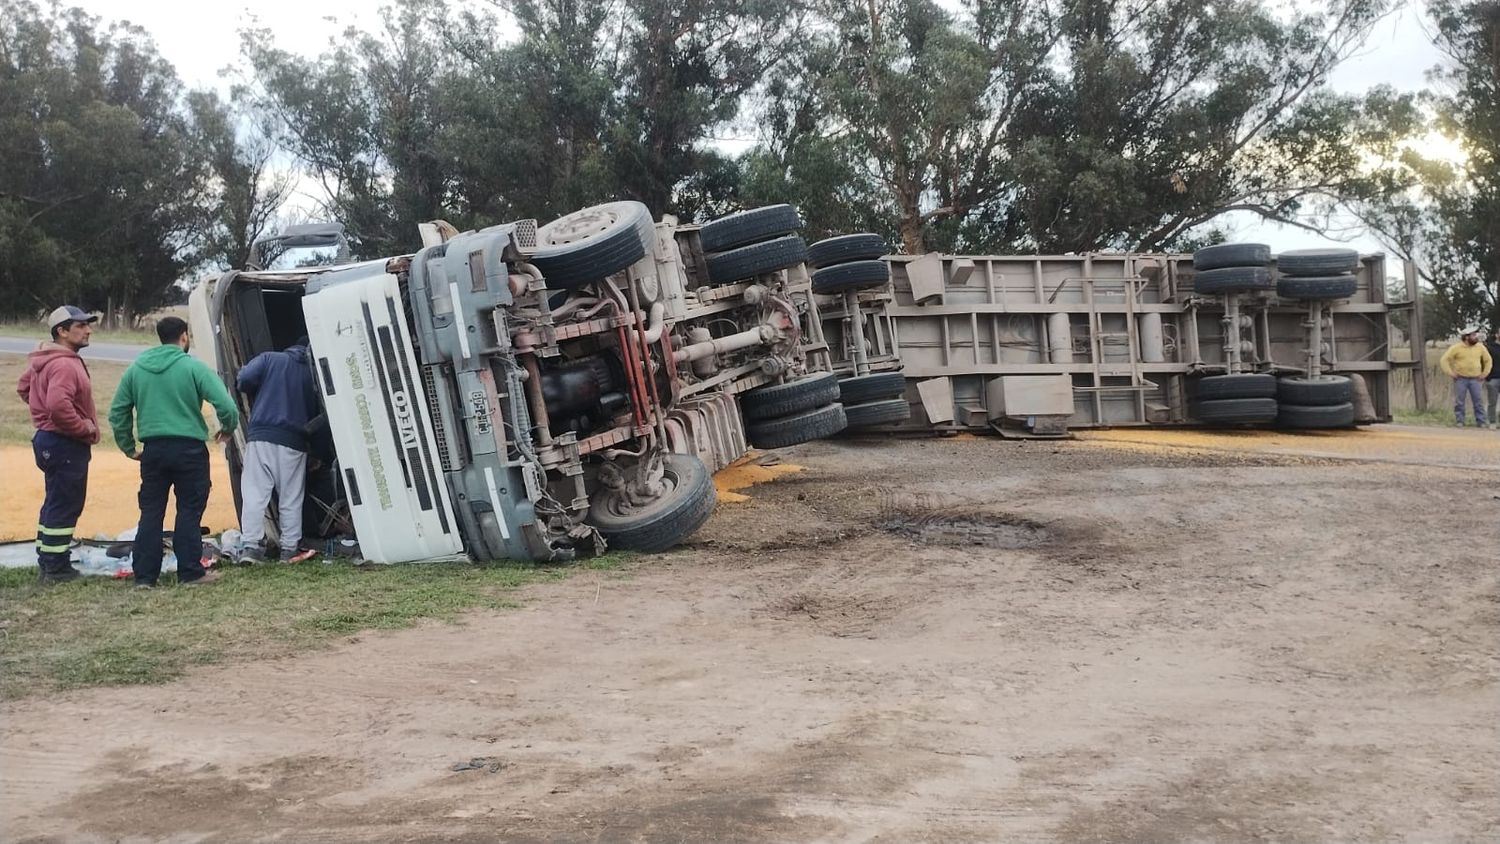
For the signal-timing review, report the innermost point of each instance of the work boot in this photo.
(57, 571)
(207, 578)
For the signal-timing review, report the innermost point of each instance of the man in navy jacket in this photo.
(283, 400)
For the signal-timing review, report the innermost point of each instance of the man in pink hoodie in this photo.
(55, 385)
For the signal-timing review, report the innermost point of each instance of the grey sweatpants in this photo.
(1492, 394)
(272, 468)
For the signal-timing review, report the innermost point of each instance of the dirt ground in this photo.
(1139, 636)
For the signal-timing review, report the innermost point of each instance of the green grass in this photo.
(1439, 392)
(95, 632)
(15, 418)
(1433, 415)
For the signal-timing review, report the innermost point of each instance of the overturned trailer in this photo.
(544, 393)
(1042, 344)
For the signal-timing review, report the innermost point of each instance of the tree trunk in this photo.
(911, 219)
(911, 234)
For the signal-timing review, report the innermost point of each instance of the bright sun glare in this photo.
(1436, 146)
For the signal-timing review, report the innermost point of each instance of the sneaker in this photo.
(248, 558)
(297, 556)
(207, 578)
(145, 586)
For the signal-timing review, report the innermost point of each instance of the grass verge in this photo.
(1434, 416)
(123, 336)
(96, 632)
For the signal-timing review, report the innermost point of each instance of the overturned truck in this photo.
(544, 393)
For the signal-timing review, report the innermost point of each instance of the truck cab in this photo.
(519, 392)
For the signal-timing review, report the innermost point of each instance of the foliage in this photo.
(248, 192)
(1063, 125)
(1440, 320)
(435, 115)
(99, 181)
(1449, 223)
(362, 119)
(114, 183)
(1046, 125)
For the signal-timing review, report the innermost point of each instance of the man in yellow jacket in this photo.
(1468, 363)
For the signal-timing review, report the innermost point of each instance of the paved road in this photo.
(113, 352)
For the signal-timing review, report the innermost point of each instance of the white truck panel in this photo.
(368, 373)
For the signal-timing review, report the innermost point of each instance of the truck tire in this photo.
(795, 396)
(1232, 280)
(1235, 411)
(1317, 262)
(855, 275)
(869, 414)
(873, 387)
(799, 428)
(846, 248)
(757, 258)
(1316, 416)
(750, 226)
(1243, 386)
(683, 507)
(1321, 391)
(1232, 255)
(594, 243)
(1317, 287)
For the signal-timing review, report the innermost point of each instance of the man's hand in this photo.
(222, 437)
(133, 455)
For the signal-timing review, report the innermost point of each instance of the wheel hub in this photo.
(580, 225)
(635, 498)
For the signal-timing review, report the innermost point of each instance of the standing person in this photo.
(1468, 363)
(161, 397)
(1492, 386)
(284, 401)
(55, 385)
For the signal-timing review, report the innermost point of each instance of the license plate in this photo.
(479, 408)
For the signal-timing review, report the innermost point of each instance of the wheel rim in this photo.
(618, 506)
(580, 225)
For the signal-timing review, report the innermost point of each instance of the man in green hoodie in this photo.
(160, 400)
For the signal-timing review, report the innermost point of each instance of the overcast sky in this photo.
(203, 41)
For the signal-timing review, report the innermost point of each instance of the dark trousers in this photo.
(64, 462)
(181, 465)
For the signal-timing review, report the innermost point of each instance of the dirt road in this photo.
(919, 640)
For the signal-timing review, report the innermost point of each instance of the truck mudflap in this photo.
(371, 385)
